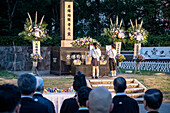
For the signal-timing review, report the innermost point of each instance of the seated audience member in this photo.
(123, 103)
(10, 97)
(153, 100)
(100, 101)
(27, 85)
(70, 105)
(82, 97)
(39, 98)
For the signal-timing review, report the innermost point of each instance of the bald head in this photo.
(100, 100)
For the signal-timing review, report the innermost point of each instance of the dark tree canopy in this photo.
(90, 16)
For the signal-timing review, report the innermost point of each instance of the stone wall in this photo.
(24, 52)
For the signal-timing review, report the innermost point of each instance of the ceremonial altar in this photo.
(63, 58)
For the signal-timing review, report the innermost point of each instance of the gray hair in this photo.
(100, 100)
(27, 83)
(40, 84)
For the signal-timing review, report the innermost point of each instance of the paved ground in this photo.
(165, 108)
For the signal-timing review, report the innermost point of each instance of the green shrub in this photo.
(19, 41)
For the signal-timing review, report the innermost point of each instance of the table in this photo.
(58, 98)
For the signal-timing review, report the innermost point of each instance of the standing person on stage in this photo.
(95, 53)
(112, 60)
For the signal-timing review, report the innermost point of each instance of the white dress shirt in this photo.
(112, 54)
(95, 53)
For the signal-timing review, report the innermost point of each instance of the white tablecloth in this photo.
(57, 99)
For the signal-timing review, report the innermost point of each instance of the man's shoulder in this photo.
(72, 99)
(31, 104)
(125, 97)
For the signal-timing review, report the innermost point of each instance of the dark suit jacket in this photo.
(28, 105)
(124, 104)
(39, 98)
(82, 111)
(69, 106)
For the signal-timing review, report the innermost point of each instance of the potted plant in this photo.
(120, 58)
(35, 57)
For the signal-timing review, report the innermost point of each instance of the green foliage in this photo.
(115, 33)
(157, 41)
(34, 31)
(90, 18)
(7, 75)
(19, 41)
(137, 34)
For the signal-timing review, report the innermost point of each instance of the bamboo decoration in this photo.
(42, 20)
(36, 17)
(141, 24)
(121, 22)
(116, 20)
(136, 23)
(30, 18)
(111, 21)
(131, 24)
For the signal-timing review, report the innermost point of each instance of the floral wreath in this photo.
(120, 57)
(36, 57)
(139, 58)
(116, 33)
(137, 34)
(84, 42)
(34, 31)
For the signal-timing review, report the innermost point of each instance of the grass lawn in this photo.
(148, 79)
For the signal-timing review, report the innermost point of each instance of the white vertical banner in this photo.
(68, 20)
(137, 48)
(36, 47)
(118, 47)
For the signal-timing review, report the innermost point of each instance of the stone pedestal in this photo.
(66, 43)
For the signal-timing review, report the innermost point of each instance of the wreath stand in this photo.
(34, 68)
(137, 68)
(36, 49)
(118, 67)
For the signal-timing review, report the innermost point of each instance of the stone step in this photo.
(136, 95)
(107, 81)
(110, 86)
(129, 90)
(139, 100)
